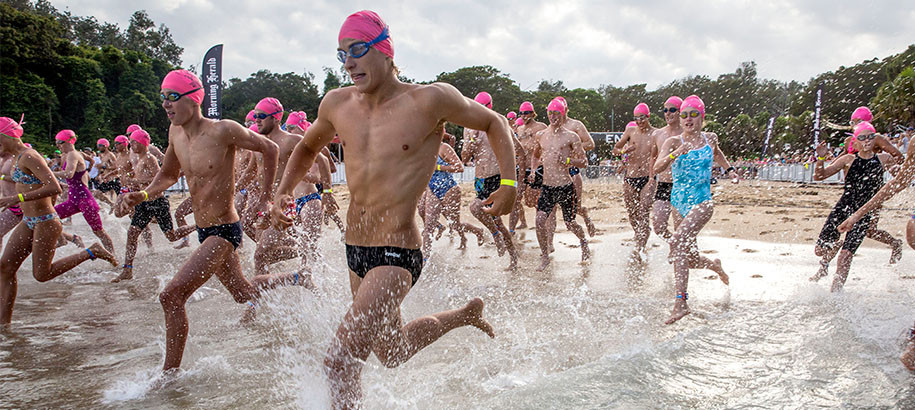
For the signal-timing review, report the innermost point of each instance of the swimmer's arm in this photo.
(167, 176)
(451, 157)
(469, 146)
(246, 139)
(618, 147)
(664, 159)
(460, 110)
(330, 159)
(536, 152)
(520, 154)
(889, 148)
(587, 143)
(578, 157)
(720, 158)
(38, 168)
(249, 173)
(903, 178)
(820, 172)
(303, 156)
(157, 153)
(69, 171)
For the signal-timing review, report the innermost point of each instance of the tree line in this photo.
(66, 71)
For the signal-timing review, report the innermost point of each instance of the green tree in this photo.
(895, 101)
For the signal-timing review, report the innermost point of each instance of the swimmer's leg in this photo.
(680, 245)
(374, 324)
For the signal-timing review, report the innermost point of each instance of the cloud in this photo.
(583, 43)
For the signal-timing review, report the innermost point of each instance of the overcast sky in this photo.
(583, 43)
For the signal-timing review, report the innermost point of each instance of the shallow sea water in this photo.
(583, 337)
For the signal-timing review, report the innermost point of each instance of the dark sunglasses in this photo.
(173, 96)
(261, 115)
(667, 110)
(525, 112)
(691, 114)
(359, 49)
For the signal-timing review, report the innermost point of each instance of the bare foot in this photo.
(908, 357)
(821, 273)
(636, 257)
(544, 263)
(463, 244)
(480, 238)
(592, 230)
(78, 241)
(473, 316)
(101, 253)
(513, 263)
(126, 274)
(183, 244)
(500, 246)
(441, 230)
(677, 314)
(897, 252)
(716, 267)
(249, 315)
(585, 251)
(304, 279)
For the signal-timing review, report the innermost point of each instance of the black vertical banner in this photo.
(212, 82)
(816, 115)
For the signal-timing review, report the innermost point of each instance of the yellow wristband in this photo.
(438, 167)
(145, 195)
(21, 199)
(327, 191)
(568, 160)
(2, 177)
(509, 182)
(821, 158)
(672, 156)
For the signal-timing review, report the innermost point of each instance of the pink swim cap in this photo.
(526, 106)
(366, 26)
(296, 118)
(519, 121)
(511, 115)
(66, 136)
(694, 102)
(184, 82)
(132, 128)
(120, 139)
(27, 145)
(641, 109)
(271, 106)
(253, 127)
(10, 128)
(862, 113)
(564, 103)
(250, 116)
(675, 101)
(632, 124)
(557, 105)
(484, 98)
(140, 136)
(103, 142)
(306, 125)
(862, 127)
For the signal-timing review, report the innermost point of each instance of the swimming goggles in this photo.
(357, 50)
(173, 96)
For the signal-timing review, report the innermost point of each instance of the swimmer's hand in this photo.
(849, 223)
(8, 201)
(822, 150)
(682, 149)
(330, 204)
(501, 202)
(128, 201)
(278, 212)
